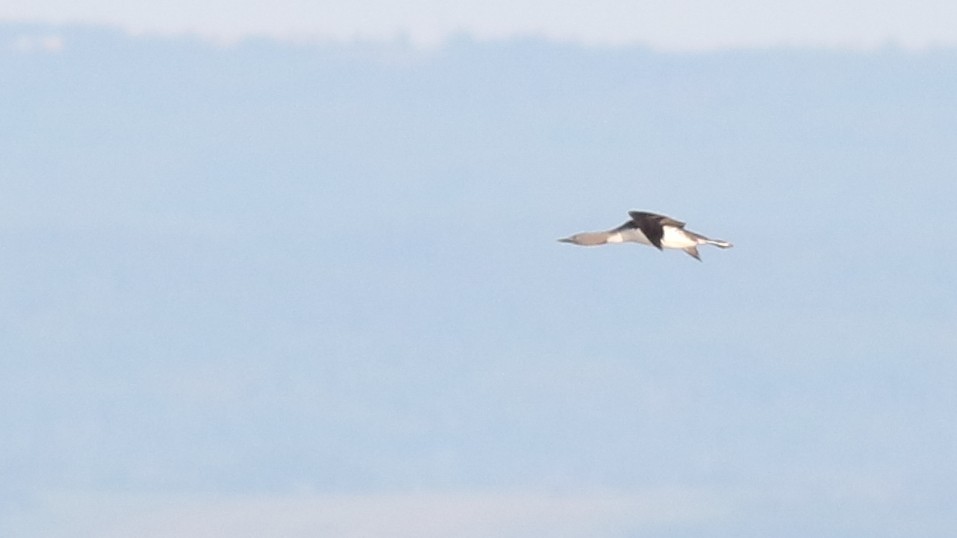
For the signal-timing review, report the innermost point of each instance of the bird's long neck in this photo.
(590, 239)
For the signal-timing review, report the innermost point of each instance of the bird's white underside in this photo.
(671, 238)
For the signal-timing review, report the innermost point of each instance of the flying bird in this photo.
(652, 229)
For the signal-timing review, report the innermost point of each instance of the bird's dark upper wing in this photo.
(649, 224)
(663, 220)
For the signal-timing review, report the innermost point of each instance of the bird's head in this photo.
(586, 239)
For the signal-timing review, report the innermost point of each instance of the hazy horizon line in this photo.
(43, 36)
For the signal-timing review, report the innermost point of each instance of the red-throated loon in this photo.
(658, 231)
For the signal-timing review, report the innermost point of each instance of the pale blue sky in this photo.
(663, 24)
(277, 290)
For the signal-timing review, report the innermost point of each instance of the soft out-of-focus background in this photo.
(262, 287)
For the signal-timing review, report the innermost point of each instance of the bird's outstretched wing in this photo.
(651, 225)
(663, 220)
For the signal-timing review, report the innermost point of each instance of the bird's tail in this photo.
(702, 240)
(718, 243)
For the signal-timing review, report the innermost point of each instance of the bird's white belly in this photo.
(676, 238)
(629, 236)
